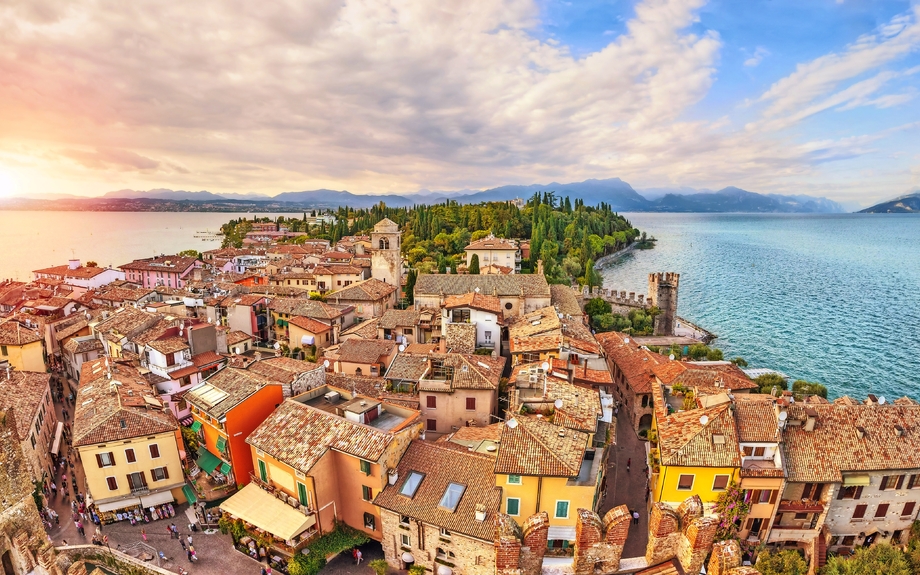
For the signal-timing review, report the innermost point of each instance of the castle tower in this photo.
(662, 293)
(386, 262)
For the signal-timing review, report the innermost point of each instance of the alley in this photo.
(628, 486)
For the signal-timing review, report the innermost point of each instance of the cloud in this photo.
(759, 54)
(111, 158)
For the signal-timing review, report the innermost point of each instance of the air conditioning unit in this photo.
(332, 396)
(533, 379)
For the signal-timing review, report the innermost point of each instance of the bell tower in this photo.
(386, 262)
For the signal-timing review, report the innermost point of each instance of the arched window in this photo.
(384, 244)
(357, 371)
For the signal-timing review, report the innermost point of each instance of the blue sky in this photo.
(377, 96)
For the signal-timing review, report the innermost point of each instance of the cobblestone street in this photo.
(628, 487)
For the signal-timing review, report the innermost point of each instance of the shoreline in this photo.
(617, 254)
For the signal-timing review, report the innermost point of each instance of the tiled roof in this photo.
(337, 255)
(24, 393)
(364, 329)
(309, 324)
(534, 447)
(365, 350)
(242, 299)
(442, 466)
(547, 342)
(64, 271)
(534, 323)
(635, 364)
(282, 369)
(121, 294)
(393, 318)
(708, 377)
(704, 437)
(127, 321)
(755, 418)
(492, 243)
(469, 371)
(168, 345)
(408, 367)
(533, 285)
(565, 299)
(422, 348)
(82, 344)
(474, 300)
(11, 333)
(491, 432)
(367, 290)
(69, 326)
(336, 269)
(305, 308)
(299, 436)
(237, 336)
(235, 383)
(159, 264)
(834, 446)
(109, 412)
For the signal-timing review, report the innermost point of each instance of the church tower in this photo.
(386, 262)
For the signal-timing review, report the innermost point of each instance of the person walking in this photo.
(359, 556)
(628, 463)
(354, 555)
(182, 543)
(635, 515)
(144, 534)
(189, 539)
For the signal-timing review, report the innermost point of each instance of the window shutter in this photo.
(884, 484)
(860, 511)
(165, 472)
(911, 481)
(99, 460)
(900, 483)
(431, 402)
(840, 492)
(750, 523)
(154, 450)
(858, 492)
(908, 508)
(755, 496)
(129, 455)
(882, 510)
(773, 495)
(471, 403)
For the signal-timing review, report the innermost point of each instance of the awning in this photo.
(120, 504)
(221, 443)
(225, 468)
(255, 506)
(190, 494)
(849, 480)
(196, 426)
(408, 558)
(207, 461)
(56, 446)
(561, 533)
(157, 498)
(307, 340)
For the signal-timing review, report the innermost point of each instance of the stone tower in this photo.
(386, 262)
(662, 293)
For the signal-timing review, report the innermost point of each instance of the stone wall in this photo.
(726, 560)
(306, 381)
(599, 544)
(461, 553)
(460, 337)
(682, 533)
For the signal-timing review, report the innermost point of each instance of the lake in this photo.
(827, 298)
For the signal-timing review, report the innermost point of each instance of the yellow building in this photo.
(23, 348)
(535, 348)
(130, 447)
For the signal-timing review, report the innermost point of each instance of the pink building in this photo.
(169, 271)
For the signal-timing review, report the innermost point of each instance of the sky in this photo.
(815, 97)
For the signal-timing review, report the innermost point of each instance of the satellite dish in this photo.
(402, 348)
(545, 366)
(511, 423)
(558, 404)
(625, 340)
(326, 363)
(704, 420)
(783, 416)
(236, 350)
(210, 320)
(671, 357)
(881, 400)
(277, 345)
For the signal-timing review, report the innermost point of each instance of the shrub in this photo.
(379, 566)
(787, 562)
(301, 564)
(768, 380)
(417, 570)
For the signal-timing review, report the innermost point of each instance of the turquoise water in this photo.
(828, 298)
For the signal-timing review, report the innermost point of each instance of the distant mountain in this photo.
(164, 194)
(614, 191)
(732, 199)
(908, 204)
(332, 199)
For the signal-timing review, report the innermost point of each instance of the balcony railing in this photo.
(143, 489)
(280, 495)
(487, 344)
(801, 506)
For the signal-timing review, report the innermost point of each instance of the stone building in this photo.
(631, 369)
(386, 260)
(518, 293)
(28, 394)
(494, 253)
(662, 293)
(438, 508)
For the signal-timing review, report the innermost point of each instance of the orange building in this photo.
(227, 407)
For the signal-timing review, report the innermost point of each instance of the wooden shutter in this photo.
(154, 450)
(882, 510)
(900, 483)
(99, 460)
(858, 493)
(112, 482)
(471, 403)
(911, 481)
(755, 496)
(773, 495)
(431, 402)
(908, 509)
(841, 491)
(884, 484)
(860, 511)
(130, 456)
(165, 472)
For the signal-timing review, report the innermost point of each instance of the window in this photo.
(813, 491)
(513, 506)
(263, 472)
(452, 496)
(767, 496)
(370, 522)
(404, 520)
(32, 439)
(562, 510)
(891, 482)
(851, 492)
(759, 451)
(365, 467)
(908, 509)
(881, 511)
(302, 494)
(130, 456)
(154, 451)
(848, 540)
(896, 536)
(159, 473)
(508, 305)
(405, 540)
(685, 482)
(137, 480)
(366, 493)
(112, 483)
(488, 336)
(514, 480)
(445, 533)
(410, 485)
(460, 316)
(105, 459)
(913, 482)
(431, 402)
(407, 331)
(802, 515)
(3, 349)
(431, 425)
(471, 404)
(860, 511)
(720, 483)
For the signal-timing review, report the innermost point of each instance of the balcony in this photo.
(792, 533)
(142, 490)
(486, 344)
(280, 495)
(801, 506)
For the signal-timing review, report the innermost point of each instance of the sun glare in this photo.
(7, 185)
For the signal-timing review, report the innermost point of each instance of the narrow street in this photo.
(628, 487)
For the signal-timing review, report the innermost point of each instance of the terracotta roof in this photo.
(82, 344)
(236, 386)
(565, 299)
(441, 467)
(237, 336)
(282, 369)
(532, 285)
(703, 437)
(64, 271)
(117, 294)
(365, 350)
(127, 321)
(299, 436)
(110, 412)
(11, 333)
(393, 318)
(305, 308)
(534, 447)
(491, 432)
(363, 329)
(367, 290)
(755, 419)
(309, 324)
(422, 348)
(242, 299)
(336, 269)
(547, 342)
(408, 367)
(536, 322)
(168, 345)
(70, 325)
(159, 264)
(469, 371)
(24, 392)
(834, 446)
(635, 364)
(492, 243)
(16, 479)
(708, 377)
(333, 255)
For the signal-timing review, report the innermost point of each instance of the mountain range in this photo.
(907, 204)
(618, 194)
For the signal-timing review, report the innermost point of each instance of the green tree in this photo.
(739, 361)
(379, 566)
(768, 381)
(603, 322)
(881, 558)
(190, 254)
(786, 562)
(474, 265)
(698, 351)
(801, 387)
(597, 306)
(411, 278)
(714, 355)
(677, 351)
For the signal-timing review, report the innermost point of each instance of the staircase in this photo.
(821, 555)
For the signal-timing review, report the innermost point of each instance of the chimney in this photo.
(73, 264)
(442, 345)
(480, 512)
(811, 417)
(898, 430)
(860, 432)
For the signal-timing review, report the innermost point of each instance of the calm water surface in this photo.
(828, 298)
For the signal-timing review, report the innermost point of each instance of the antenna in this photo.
(558, 404)
(783, 416)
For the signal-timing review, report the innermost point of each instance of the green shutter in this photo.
(302, 494)
(225, 468)
(366, 492)
(196, 426)
(514, 506)
(365, 467)
(221, 443)
(562, 509)
(263, 473)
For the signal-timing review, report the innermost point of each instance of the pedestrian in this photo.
(628, 463)
(190, 539)
(360, 557)
(354, 555)
(189, 553)
(144, 534)
(262, 571)
(635, 515)
(182, 542)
